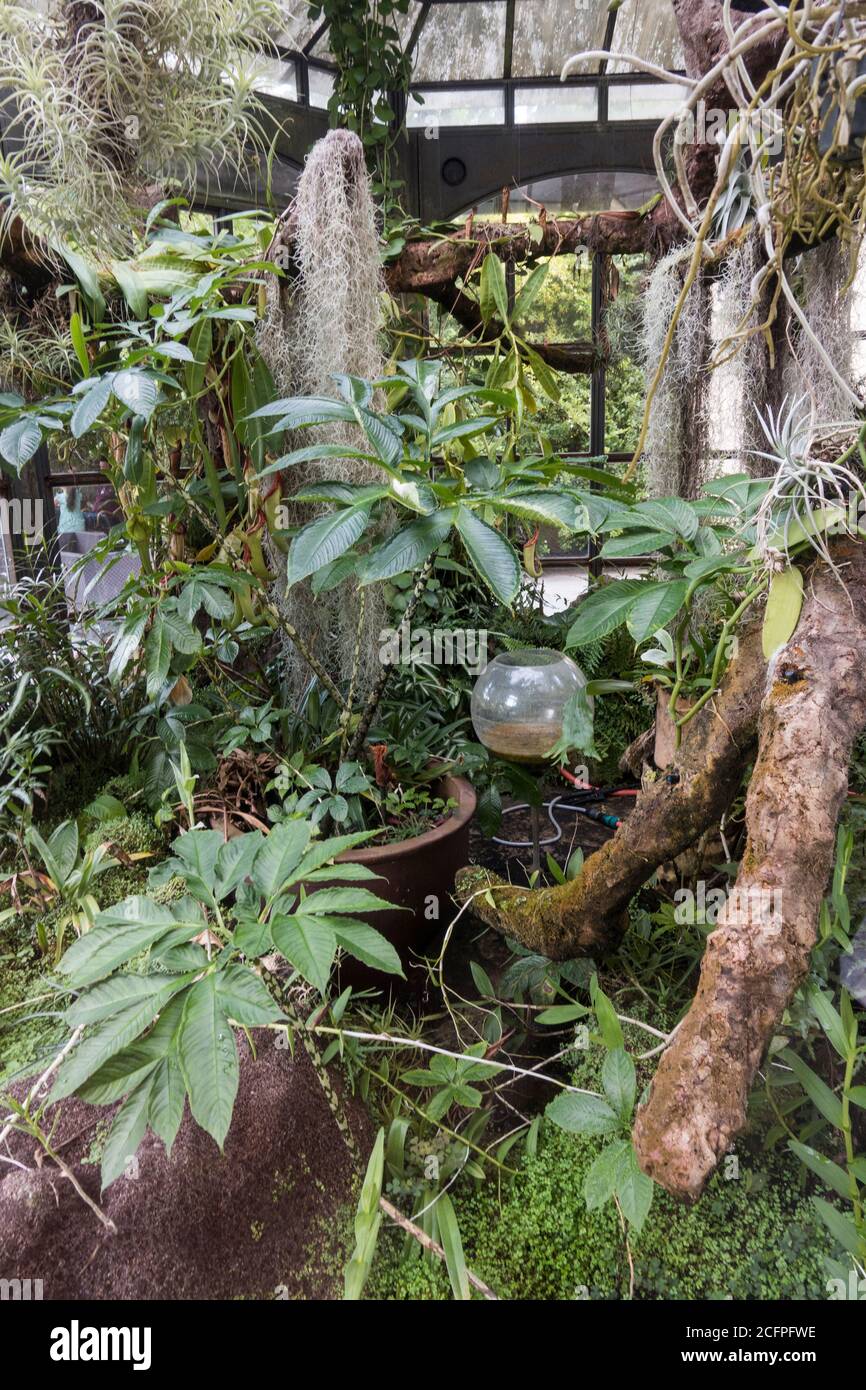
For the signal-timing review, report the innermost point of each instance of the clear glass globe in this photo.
(518, 702)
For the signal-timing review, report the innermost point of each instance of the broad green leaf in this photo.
(655, 607)
(603, 611)
(96, 1048)
(408, 548)
(346, 900)
(582, 1114)
(609, 1024)
(244, 997)
(138, 392)
(308, 945)
(634, 1190)
(127, 1132)
(19, 441)
(600, 1182)
(668, 514)
(116, 994)
(325, 540)
(366, 945)
(322, 851)
(79, 343)
(122, 932)
(782, 613)
(119, 1075)
(167, 1097)
(90, 406)
(280, 855)
(635, 543)
(234, 861)
(157, 657)
(618, 1080)
(209, 1058)
(492, 555)
(546, 508)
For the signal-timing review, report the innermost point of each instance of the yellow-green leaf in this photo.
(782, 613)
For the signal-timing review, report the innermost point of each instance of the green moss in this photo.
(752, 1237)
(135, 834)
(748, 1239)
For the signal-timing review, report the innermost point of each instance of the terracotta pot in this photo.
(666, 737)
(418, 875)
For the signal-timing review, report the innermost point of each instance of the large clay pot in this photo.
(416, 875)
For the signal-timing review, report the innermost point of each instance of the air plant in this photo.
(809, 497)
(133, 93)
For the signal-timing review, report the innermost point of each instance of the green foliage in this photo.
(159, 1034)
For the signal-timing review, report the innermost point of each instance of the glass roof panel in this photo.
(278, 79)
(546, 32)
(647, 28)
(297, 29)
(462, 42)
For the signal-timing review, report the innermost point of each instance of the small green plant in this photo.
(66, 878)
(614, 1174)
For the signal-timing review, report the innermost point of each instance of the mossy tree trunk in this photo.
(813, 709)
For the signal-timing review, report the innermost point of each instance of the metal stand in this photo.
(535, 822)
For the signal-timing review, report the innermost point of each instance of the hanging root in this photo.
(813, 709)
(590, 914)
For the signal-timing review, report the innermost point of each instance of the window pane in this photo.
(321, 87)
(537, 105)
(461, 43)
(594, 190)
(278, 79)
(644, 101)
(467, 106)
(546, 32)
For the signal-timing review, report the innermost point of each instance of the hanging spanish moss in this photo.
(325, 318)
(676, 439)
(825, 295)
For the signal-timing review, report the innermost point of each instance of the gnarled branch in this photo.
(813, 709)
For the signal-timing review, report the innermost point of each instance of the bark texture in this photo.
(590, 915)
(813, 709)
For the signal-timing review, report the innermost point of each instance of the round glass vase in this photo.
(519, 701)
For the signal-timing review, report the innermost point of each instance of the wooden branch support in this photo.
(813, 709)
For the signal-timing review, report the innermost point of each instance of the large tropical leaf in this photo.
(408, 548)
(208, 1057)
(325, 540)
(307, 944)
(492, 555)
(603, 610)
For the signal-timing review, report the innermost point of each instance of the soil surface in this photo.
(260, 1221)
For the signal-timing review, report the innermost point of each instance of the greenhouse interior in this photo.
(432, 597)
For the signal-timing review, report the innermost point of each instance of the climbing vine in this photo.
(372, 68)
